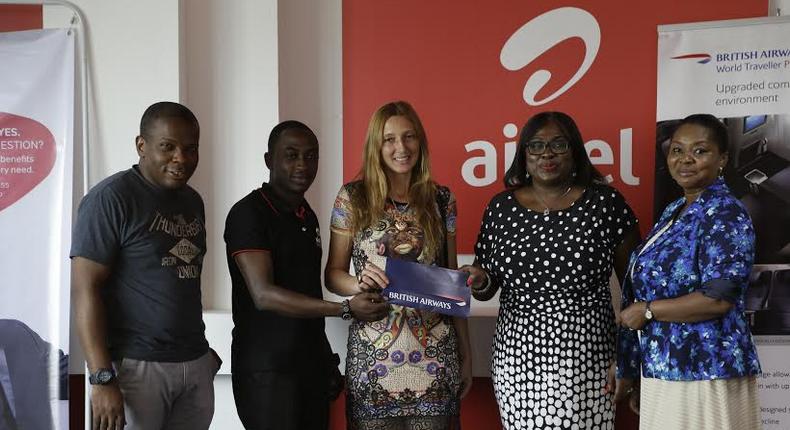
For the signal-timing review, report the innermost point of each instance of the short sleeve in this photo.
(97, 233)
(484, 245)
(341, 212)
(248, 228)
(621, 219)
(725, 251)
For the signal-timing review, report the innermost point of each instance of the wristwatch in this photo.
(102, 377)
(345, 312)
(648, 312)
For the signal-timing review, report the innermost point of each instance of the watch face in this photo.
(102, 376)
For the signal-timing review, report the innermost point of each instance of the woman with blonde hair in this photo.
(410, 369)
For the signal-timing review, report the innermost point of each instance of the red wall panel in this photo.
(20, 17)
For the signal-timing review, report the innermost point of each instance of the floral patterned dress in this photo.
(404, 370)
(709, 248)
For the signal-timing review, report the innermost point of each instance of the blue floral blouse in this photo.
(709, 248)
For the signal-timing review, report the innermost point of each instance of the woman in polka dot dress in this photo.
(550, 243)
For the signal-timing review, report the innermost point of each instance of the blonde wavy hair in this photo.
(369, 198)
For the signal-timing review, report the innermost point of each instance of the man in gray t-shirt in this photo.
(137, 254)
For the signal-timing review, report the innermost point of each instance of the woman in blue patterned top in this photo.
(685, 292)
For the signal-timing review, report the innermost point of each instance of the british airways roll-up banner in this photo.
(36, 160)
(739, 71)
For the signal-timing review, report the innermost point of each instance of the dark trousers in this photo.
(281, 401)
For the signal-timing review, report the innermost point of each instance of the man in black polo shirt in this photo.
(281, 359)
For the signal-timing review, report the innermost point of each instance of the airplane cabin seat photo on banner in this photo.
(477, 71)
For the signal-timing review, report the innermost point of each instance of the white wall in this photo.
(231, 77)
(778, 7)
(133, 51)
(311, 88)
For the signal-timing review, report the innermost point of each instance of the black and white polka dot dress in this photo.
(555, 334)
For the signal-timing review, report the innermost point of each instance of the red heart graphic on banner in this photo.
(27, 154)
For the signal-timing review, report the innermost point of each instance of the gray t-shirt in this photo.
(154, 241)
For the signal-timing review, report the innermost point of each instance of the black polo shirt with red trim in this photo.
(265, 340)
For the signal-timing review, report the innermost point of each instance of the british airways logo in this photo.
(701, 58)
(459, 301)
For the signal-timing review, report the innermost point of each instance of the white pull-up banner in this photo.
(739, 71)
(36, 160)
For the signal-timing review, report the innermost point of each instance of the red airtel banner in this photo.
(476, 71)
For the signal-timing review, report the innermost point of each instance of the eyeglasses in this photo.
(558, 145)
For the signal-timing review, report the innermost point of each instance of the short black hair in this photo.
(716, 129)
(161, 110)
(284, 126)
(586, 173)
